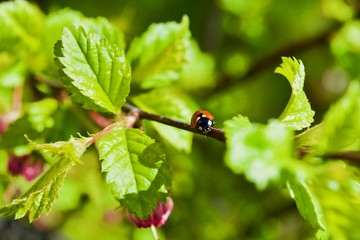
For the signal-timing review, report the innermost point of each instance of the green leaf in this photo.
(93, 70)
(297, 114)
(199, 66)
(307, 203)
(36, 120)
(158, 55)
(172, 103)
(336, 188)
(340, 126)
(56, 21)
(328, 199)
(15, 75)
(135, 168)
(102, 26)
(309, 138)
(21, 26)
(39, 198)
(258, 151)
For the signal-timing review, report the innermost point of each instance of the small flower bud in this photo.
(24, 166)
(158, 216)
(31, 170)
(15, 164)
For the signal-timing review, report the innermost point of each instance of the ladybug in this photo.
(203, 121)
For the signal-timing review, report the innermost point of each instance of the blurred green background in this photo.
(244, 41)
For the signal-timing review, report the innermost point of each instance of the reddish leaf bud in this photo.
(158, 216)
(23, 166)
(15, 164)
(31, 170)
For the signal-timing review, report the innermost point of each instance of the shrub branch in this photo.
(216, 133)
(352, 157)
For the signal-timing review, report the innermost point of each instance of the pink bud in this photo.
(24, 166)
(31, 170)
(158, 216)
(16, 163)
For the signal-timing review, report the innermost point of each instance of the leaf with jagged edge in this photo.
(135, 168)
(329, 200)
(158, 55)
(340, 126)
(339, 130)
(93, 70)
(261, 152)
(39, 198)
(307, 203)
(57, 20)
(297, 114)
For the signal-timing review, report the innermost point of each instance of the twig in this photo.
(216, 133)
(350, 156)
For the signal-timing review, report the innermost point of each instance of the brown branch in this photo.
(350, 156)
(216, 133)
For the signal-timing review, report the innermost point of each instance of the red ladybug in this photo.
(203, 121)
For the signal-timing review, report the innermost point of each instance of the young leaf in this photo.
(56, 21)
(21, 26)
(307, 203)
(260, 152)
(171, 103)
(199, 66)
(158, 55)
(39, 198)
(297, 114)
(14, 75)
(340, 127)
(135, 168)
(93, 70)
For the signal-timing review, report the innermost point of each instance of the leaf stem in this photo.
(102, 133)
(153, 229)
(216, 133)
